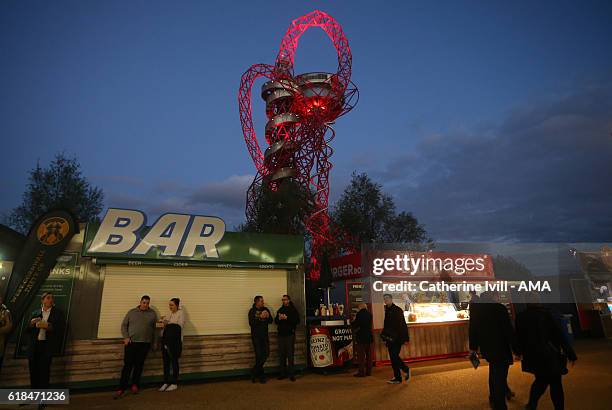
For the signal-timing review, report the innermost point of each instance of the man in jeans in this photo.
(395, 334)
(138, 331)
(287, 318)
(259, 319)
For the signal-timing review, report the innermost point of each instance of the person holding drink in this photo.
(172, 343)
(45, 332)
(259, 319)
(287, 318)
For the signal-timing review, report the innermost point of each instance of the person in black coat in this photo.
(45, 334)
(259, 319)
(287, 318)
(362, 329)
(542, 343)
(491, 331)
(395, 334)
(172, 344)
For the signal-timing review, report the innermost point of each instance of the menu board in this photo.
(355, 296)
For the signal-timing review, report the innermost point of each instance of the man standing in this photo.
(45, 331)
(6, 325)
(287, 318)
(259, 319)
(138, 331)
(491, 331)
(395, 334)
(362, 328)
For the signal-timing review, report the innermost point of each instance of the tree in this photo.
(402, 228)
(60, 185)
(281, 211)
(369, 215)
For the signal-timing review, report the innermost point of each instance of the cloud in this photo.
(230, 192)
(226, 198)
(543, 175)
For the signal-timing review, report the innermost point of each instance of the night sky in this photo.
(490, 121)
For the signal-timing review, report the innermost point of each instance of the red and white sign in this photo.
(346, 267)
(321, 353)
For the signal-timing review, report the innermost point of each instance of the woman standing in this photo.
(545, 351)
(6, 325)
(172, 343)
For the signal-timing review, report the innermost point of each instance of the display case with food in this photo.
(435, 312)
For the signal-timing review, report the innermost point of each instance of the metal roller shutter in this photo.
(215, 301)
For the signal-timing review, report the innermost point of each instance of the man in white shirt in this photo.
(46, 331)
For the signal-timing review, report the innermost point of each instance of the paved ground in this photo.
(442, 385)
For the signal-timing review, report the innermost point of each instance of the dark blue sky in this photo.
(487, 120)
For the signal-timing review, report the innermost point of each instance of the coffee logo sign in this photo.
(179, 235)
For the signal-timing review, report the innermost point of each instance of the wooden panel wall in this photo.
(429, 340)
(102, 359)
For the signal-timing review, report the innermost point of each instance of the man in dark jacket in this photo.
(362, 329)
(395, 334)
(287, 318)
(259, 319)
(541, 343)
(491, 331)
(45, 331)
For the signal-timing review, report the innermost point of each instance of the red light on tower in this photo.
(300, 110)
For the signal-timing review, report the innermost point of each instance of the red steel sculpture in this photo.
(301, 110)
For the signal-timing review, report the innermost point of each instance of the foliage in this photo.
(369, 215)
(60, 185)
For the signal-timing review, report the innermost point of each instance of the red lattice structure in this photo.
(301, 110)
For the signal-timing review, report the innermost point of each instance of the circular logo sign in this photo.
(52, 230)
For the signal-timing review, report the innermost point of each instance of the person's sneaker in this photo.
(164, 387)
(134, 389)
(407, 376)
(395, 381)
(292, 378)
(118, 394)
(172, 387)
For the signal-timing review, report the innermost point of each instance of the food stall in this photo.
(592, 295)
(330, 335)
(437, 320)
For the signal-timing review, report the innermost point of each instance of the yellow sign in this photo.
(52, 230)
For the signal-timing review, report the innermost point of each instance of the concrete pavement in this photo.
(450, 384)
